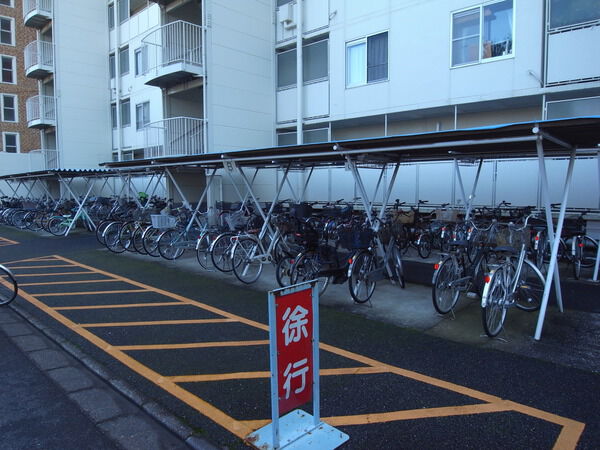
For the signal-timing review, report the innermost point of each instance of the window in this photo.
(8, 103)
(8, 69)
(111, 65)
(7, 34)
(573, 12)
(142, 115)
(309, 137)
(111, 16)
(141, 60)
(123, 10)
(10, 142)
(367, 60)
(125, 113)
(482, 33)
(8, 3)
(113, 115)
(314, 62)
(124, 61)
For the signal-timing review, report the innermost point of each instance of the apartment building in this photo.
(181, 77)
(19, 145)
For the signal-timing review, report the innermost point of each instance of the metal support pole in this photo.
(553, 267)
(197, 208)
(549, 222)
(80, 204)
(472, 196)
(460, 183)
(597, 264)
(186, 204)
(306, 181)
(388, 191)
(292, 190)
(361, 187)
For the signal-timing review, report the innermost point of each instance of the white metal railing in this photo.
(43, 6)
(41, 107)
(39, 53)
(175, 42)
(176, 136)
(49, 158)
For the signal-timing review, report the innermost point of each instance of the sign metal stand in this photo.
(294, 351)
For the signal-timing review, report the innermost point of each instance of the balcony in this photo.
(41, 111)
(39, 59)
(175, 54)
(37, 13)
(49, 158)
(177, 136)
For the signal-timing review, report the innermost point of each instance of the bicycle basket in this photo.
(162, 221)
(509, 237)
(353, 238)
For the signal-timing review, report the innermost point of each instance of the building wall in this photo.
(80, 33)
(24, 88)
(240, 84)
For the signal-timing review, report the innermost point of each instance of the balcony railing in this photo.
(49, 158)
(177, 136)
(41, 111)
(39, 59)
(174, 52)
(37, 12)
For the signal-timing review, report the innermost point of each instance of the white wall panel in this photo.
(565, 64)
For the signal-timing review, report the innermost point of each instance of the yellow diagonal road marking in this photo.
(119, 291)
(128, 305)
(193, 345)
(155, 322)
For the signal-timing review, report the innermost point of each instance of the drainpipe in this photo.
(118, 81)
(299, 76)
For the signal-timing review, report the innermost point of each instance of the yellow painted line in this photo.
(129, 305)
(192, 345)
(43, 267)
(571, 429)
(120, 291)
(36, 259)
(158, 322)
(47, 283)
(264, 374)
(6, 241)
(410, 414)
(21, 275)
(203, 407)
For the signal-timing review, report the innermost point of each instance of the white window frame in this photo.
(143, 66)
(11, 4)
(480, 59)
(364, 40)
(16, 99)
(123, 51)
(128, 101)
(14, 69)
(143, 106)
(18, 141)
(12, 31)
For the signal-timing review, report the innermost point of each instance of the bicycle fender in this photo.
(486, 287)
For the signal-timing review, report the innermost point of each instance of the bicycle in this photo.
(8, 286)
(460, 271)
(375, 260)
(514, 282)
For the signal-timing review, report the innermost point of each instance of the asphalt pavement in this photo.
(182, 355)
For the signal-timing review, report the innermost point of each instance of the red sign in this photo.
(294, 325)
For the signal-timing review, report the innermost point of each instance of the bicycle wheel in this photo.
(530, 287)
(137, 239)
(246, 266)
(361, 288)
(443, 294)
(126, 235)
(58, 226)
(8, 286)
(306, 268)
(169, 244)
(220, 252)
(424, 247)
(395, 262)
(150, 241)
(111, 238)
(203, 252)
(100, 230)
(589, 249)
(283, 271)
(496, 295)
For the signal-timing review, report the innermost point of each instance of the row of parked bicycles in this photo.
(500, 255)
